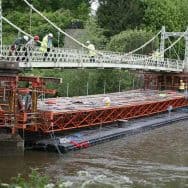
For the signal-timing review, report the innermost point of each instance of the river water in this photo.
(157, 158)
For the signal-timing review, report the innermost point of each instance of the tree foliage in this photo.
(164, 12)
(132, 39)
(48, 5)
(118, 15)
(94, 33)
(38, 25)
(78, 81)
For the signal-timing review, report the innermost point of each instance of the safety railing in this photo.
(61, 55)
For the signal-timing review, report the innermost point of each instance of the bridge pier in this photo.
(9, 68)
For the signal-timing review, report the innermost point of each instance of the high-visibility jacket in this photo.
(92, 52)
(182, 86)
(156, 55)
(46, 43)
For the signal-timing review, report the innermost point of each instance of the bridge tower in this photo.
(162, 44)
(165, 35)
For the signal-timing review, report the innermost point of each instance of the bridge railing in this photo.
(82, 56)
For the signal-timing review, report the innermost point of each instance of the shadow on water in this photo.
(157, 158)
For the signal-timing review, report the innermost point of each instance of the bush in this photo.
(129, 40)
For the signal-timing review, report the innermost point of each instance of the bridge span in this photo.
(72, 58)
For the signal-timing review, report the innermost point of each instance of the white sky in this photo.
(94, 6)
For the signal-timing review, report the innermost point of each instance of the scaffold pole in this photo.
(1, 30)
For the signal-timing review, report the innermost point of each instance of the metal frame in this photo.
(69, 58)
(51, 122)
(12, 112)
(165, 35)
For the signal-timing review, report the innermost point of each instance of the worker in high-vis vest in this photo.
(182, 86)
(107, 101)
(46, 43)
(156, 54)
(92, 52)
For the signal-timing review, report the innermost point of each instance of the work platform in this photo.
(64, 113)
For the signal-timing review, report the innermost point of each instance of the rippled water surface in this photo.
(157, 158)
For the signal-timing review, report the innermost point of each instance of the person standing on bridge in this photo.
(92, 51)
(19, 45)
(19, 42)
(31, 46)
(46, 44)
(32, 43)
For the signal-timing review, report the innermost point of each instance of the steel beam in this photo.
(51, 122)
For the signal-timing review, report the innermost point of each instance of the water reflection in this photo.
(158, 158)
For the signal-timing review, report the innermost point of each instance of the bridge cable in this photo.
(18, 28)
(174, 49)
(54, 25)
(174, 42)
(150, 57)
(13, 25)
(141, 47)
(30, 21)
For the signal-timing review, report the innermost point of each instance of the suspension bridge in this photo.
(74, 58)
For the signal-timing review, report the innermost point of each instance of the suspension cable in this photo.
(30, 20)
(55, 26)
(175, 42)
(174, 49)
(13, 25)
(21, 31)
(133, 51)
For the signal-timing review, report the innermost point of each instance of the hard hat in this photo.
(26, 37)
(36, 38)
(50, 35)
(88, 42)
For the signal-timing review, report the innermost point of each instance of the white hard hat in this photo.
(50, 35)
(88, 42)
(26, 37)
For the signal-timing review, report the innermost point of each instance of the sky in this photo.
(94, 6)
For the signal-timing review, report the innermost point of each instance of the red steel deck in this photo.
(60, 114)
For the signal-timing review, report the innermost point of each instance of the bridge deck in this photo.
(71, 58)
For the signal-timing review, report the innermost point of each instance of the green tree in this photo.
(118, 15)
(80, 9)
(39, 25)
(164, 12)
(184, 8)
(94, 33)
(132, 39)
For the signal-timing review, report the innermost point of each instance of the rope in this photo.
(30, 20)
(137, 49)
(21, 31)
(59, 29)
(175, 42)
(13, 25)
(55, 26)
(174, 49)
